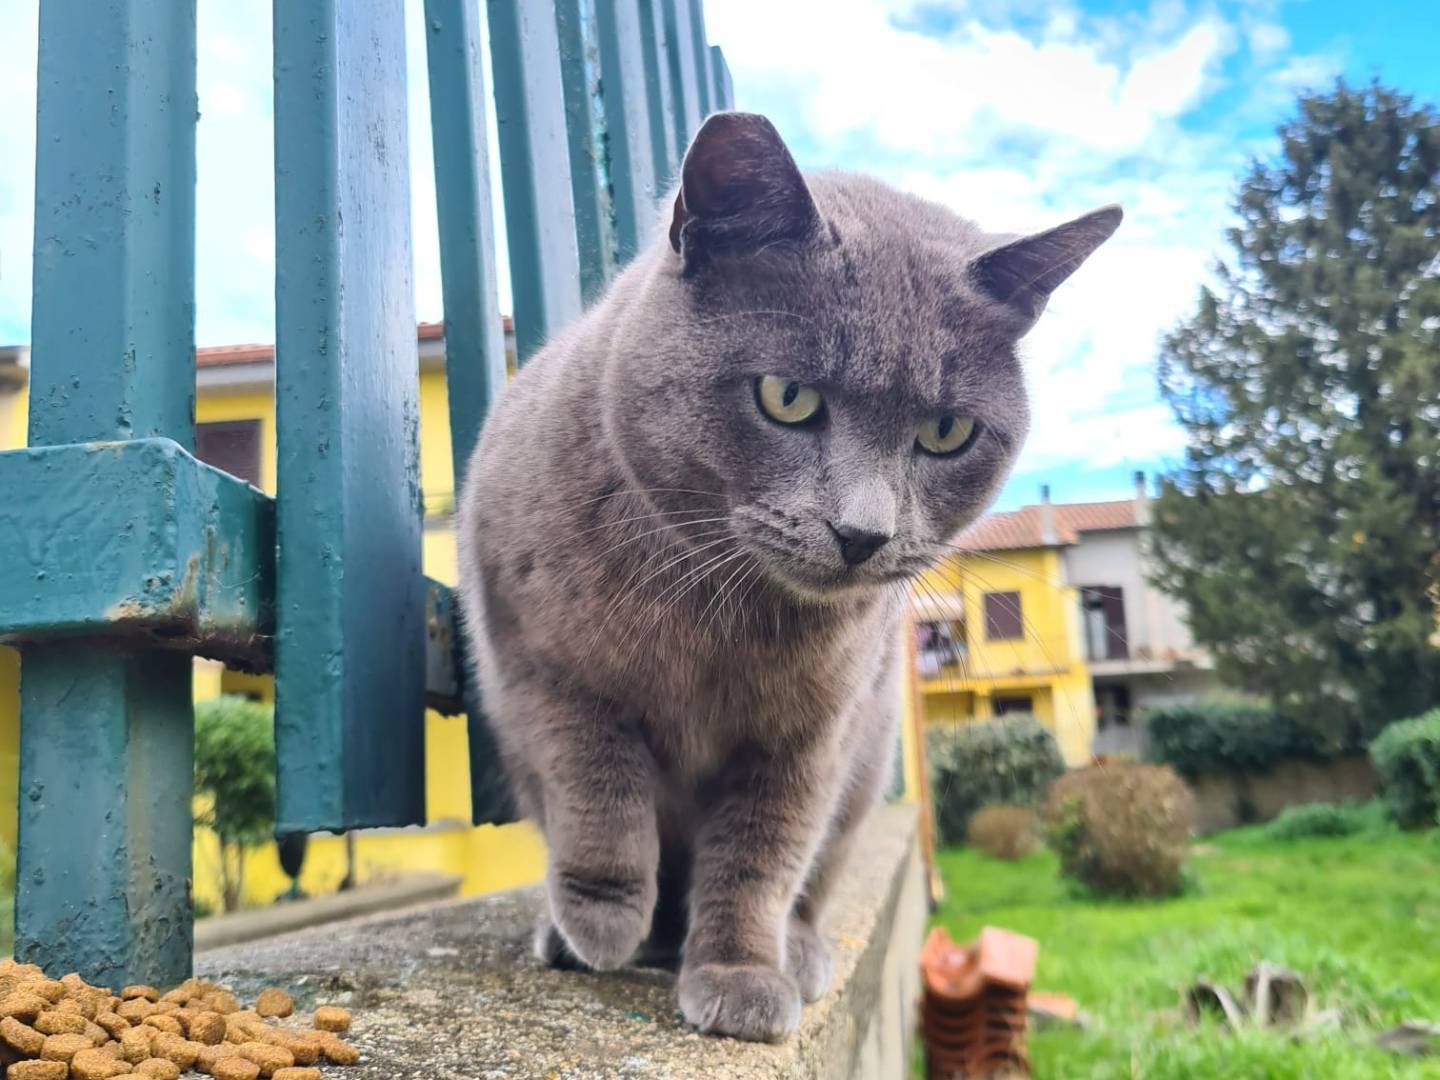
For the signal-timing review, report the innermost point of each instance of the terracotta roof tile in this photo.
(1025, 528)
(221, 355)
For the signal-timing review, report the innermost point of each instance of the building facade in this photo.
(1049, 610)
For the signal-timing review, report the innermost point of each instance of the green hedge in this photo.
(1307, 820)
(1215, 737)
(1407, 758)
(1009, 761)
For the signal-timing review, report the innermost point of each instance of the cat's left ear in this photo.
(740, 191)
(1023, 273)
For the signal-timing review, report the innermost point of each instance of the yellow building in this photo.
(999, 630)
(235, 429)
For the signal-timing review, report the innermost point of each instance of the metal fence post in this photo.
(106, 737)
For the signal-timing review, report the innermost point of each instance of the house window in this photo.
(1013, 706)
(1003, 618)
(938, 645)
(233, 446)
(1102, 610)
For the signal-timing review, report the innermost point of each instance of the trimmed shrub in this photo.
(1215, 737)
(1327, 819)
(1121, 830)
(1008, 761)
(1006, 832)
(1407, 758)
(235, 782)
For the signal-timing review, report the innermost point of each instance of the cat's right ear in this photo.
(740, 191)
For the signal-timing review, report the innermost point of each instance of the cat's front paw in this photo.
(602, 921)
(744, 1001)
(809, 959)
(550, 947)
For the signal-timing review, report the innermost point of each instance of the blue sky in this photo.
(1016, 113)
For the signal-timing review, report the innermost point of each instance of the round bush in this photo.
(1010, 761)
(1121, 830)
(1407, 758)
(1006, 832)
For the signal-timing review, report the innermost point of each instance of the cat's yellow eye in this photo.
(786, 400)
(944, 434)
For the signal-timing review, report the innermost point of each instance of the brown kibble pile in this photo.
(65, 1029)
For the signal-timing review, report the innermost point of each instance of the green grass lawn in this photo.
(1358, 917)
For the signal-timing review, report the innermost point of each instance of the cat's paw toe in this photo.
(744, 1001)
(809, 959)
(601, 921)
(550, 947)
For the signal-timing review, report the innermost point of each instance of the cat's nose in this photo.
(857, 545)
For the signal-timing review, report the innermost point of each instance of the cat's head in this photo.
(825, 365)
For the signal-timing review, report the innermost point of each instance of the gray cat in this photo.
(685, 542)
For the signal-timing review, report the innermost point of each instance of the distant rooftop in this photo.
(222, 355)
(1028, 528)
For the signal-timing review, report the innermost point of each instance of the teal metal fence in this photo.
(124, 556)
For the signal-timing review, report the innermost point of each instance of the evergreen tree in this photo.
(1303, 527)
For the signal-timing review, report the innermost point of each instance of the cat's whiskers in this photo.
(567, 538)
(626, 591)
(756, 311)
(622, 492)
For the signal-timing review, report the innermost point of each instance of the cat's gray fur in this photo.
(693, 694)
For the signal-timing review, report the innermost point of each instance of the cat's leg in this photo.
(597, 787)
(809, 957)
(758, 833)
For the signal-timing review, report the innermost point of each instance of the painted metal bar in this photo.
(623, 60)
(684, 79)
(587, 139)
(474, 337)
(534, 170)
(139, 543)
(704, 77)
(106, 735)
(350, 613)
(724, 96)
(659, 93)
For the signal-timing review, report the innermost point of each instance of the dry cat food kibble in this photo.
(37, 1070)
(331, 1018)
(66, 1029)
(54, 1022)
(158, 1069)
(21, 1037)
(63, 1047)
(274, 1002)
(95, 1065)
(236, 1068)
(269, 1057)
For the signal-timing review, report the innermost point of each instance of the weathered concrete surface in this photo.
(220, 930)
(450, 991)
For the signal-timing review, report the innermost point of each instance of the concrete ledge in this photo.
(282, 918)
(450, 991)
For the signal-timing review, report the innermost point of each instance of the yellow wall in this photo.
(1046, 664)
